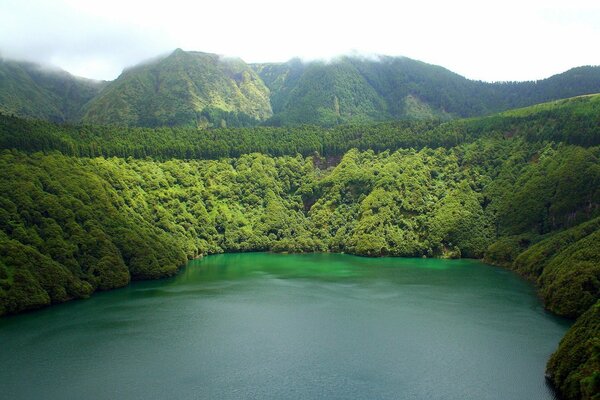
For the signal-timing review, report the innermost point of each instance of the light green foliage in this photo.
(398, 204)
(99, 222)
(460, 223)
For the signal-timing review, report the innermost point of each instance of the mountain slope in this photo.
(184, 88)
(350, 89)
(29, 90)
(205, 90)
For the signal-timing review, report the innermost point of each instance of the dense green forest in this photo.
(87, 208)
(195, 89)
(81, 215)
(572, 121)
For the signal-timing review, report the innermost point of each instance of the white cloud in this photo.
(509, 40)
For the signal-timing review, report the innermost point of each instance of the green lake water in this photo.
(267, 326)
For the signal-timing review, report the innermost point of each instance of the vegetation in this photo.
(101, 221)
(572, 121)
(87, 208)
(29, 90)
(575, 367)
(200, 90)
(184, 88)
(355, 89)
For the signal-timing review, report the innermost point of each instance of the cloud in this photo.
(509, 40)
(84, 44)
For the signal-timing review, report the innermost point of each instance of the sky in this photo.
(484, 40)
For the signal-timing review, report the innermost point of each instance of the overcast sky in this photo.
(492, 41)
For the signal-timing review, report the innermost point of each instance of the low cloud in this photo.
(513, 40)
(83, 44)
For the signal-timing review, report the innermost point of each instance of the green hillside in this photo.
(197, 89)
(29, 90)
(184, 88)
(352, 89)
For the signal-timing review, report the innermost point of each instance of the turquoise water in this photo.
(267, 326)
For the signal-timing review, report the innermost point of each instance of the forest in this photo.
(88, 208)
(572, 121)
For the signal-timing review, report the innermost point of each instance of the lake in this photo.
(273, 326)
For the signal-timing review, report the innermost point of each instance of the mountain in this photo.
(198, 89)
(353, 89)
(30, 90)
(184, 88)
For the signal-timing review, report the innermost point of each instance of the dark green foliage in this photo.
(529, 124)
(506, 249)
(565, 265)
(557, 189)
(532, 262)
(35, 279)
(329, 94)
(571, 281)
(575, 367)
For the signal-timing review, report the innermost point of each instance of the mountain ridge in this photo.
(192, 88)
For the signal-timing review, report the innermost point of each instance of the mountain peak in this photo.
(185, 88)
(201, 89)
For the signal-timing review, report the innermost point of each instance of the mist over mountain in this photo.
(352, 89)
(198, 89)
(31, 90)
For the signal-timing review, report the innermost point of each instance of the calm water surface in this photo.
(266, 326)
